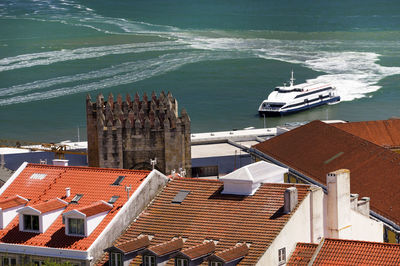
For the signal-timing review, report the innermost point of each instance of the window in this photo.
(149, 260)
(31, 222)
(76, 226)
(113, 199)
(116, 259)
(76, 198)
(181, 262)
(215, 263)
(118, 181)
(9, 261)
(282, 255)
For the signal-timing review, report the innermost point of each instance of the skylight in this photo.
(113, 199)
(38, 176)
(180, 196)
(76, 198)
(118, 181)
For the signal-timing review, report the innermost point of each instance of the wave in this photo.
(47, 58)
(108, 77)
(343, 61)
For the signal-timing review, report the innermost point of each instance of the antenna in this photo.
(292, 80)
(128, 189)
(153, 162)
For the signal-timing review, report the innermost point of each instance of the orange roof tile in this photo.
(198, 251)
(134, 244)
(11, 202)
(95, 208)
(50, 205)
(167, 247)
(385, 133)
(205, 214)
(302, 254)
(317, 148)
(232, 253)
(93, 183)
(347, 252)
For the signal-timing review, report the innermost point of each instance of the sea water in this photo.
(219, 59)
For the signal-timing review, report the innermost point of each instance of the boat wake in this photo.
(353, 71)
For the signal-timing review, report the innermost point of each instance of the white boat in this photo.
(293, 98)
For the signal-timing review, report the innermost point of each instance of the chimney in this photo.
(60, 162)
(338, 204)
(291, 199)
(67, 192)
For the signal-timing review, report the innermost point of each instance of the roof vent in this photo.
(67, 192)
(180, 196)
(246, 180)
(76, 198)
(291, 199)
(118, 181)
(60, 162)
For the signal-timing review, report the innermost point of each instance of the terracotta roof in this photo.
(198, 251)
(384, 133)
(93, 183)
(50, 205)
(134, 244)
(316, 149)
(167, 247)
(302, 254)
(95, 208)
(350, 252)
(206, 214)
(232, 254)
(11, 202)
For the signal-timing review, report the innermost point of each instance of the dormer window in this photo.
(8, 209)
(76, 226)
(149, 260)
(31, 222)
(39, 217)
(82, 221)
(181, 262)
(215, 263)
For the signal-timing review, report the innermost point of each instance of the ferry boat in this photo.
(293, 98)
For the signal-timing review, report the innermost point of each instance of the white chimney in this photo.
(67, 192)
(338, 204)
(60, 162)
(291, 199)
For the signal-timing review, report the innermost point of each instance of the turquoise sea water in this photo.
(220, 59)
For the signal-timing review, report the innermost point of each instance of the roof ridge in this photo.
(86, 168)
(362, 241)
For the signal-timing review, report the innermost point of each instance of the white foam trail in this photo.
(47, 58)
(145, 69)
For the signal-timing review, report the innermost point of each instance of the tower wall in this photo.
(128, 133)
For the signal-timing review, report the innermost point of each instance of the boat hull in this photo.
(281, 112)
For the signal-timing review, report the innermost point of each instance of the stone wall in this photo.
(128, 133)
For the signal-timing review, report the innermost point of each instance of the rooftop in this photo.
(206, 214)
(317, 148)
(93, 183)
(346, 252)
(385, 133)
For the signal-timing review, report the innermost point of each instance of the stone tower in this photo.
(128, 133)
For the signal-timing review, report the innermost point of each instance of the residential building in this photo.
(239, 221)
(345, 252)
(315, 149)
(66, 213)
